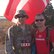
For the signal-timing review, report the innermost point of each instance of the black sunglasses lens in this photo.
(39, 20)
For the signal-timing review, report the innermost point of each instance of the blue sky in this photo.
(3, 5)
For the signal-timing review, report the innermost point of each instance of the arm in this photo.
(9, 42)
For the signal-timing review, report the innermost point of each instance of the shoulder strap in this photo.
(47, 33)
(48, 37)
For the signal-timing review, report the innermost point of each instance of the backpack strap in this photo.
(47, 35)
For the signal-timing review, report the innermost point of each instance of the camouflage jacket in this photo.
(19, 41)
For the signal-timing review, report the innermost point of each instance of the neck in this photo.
(41, 29)
(22, 26)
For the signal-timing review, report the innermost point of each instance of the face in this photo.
(22, 20)
(39, 20)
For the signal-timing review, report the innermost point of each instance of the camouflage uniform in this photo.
(20, 39)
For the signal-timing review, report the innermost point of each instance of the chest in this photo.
(41, 34)
(22, 36)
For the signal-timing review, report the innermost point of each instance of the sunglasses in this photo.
(21, 16)
(39, 20)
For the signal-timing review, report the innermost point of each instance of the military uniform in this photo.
(18, 40)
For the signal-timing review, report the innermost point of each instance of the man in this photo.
(19, 37)
(42, 45)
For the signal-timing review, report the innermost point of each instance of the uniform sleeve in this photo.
(9, 42)
(52, 35)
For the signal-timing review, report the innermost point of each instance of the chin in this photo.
(39, 26)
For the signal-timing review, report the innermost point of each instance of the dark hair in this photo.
(43, 14)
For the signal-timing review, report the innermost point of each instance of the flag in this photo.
(32, 7)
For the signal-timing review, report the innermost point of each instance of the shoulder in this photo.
(11, 28)
(30, 27)
(51, 29)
